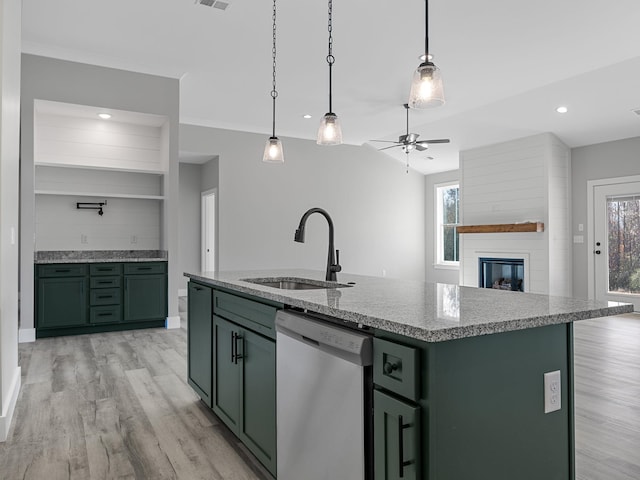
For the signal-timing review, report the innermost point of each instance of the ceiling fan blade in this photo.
(438, 140)
(420, 147)
(392, 146)
(384, 141)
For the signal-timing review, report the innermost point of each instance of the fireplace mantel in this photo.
(503, 228)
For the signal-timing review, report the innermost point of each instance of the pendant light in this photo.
(426, 87)
(273, 152)
(330, 132)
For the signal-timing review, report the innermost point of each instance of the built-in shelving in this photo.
(536, 227)
(101, 195)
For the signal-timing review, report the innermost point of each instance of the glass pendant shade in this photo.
(273, 152)
(426, 87)
(330, 132)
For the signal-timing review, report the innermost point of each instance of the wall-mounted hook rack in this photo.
(91, 206)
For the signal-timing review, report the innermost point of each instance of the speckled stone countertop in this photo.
(426, 311)
(99, 256)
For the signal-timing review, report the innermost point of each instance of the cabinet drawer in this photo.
(144, 268)
(395, 367)
(96, 269)
(255, 316)
(105, 296)
(107, 314)
(104, 282)
(62, 270)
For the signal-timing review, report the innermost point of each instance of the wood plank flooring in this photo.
(117, 406)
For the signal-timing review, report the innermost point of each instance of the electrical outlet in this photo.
(552, 392)
(83, 238)
(134, 239)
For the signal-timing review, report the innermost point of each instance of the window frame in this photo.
(439, 226)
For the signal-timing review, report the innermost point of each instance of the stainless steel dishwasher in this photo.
(323, 400)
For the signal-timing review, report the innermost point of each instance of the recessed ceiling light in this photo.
(562, 109)
(104, 116)
(307, 116)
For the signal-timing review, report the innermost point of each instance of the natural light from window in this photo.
(447, 218)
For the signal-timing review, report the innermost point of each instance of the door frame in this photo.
(203, 227)
(591, 186)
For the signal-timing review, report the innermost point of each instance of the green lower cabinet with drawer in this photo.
(85, 298)
(200, 339)
(478, 408)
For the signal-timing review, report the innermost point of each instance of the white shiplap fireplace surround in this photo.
(522, 180)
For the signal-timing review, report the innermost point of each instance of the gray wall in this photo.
(377, 208)
(62, 81)
(432, 273)
(594, 162)
(9, 165)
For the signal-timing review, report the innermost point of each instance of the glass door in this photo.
(616, 246)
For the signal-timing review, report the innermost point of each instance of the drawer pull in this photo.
(63, 270)
(105, 314)
(402, 463)
(105, 282)
(105, 296)
(389, 367)
(143, 268)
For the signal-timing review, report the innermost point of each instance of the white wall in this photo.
(377, 209)
(190, 198)
(10, 19)
(433, 273)
(517, 181)
(75, 83)
(595, 162)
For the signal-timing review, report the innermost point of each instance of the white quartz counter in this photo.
(426, 311)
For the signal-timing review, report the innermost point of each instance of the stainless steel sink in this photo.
(293, 283)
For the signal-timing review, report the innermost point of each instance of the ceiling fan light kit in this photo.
(426, 88)
(273, 152)
(330, 132)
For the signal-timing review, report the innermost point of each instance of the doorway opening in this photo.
(208, 226)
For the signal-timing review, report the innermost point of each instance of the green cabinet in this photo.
(80, 298)
(145, 291)
(244, 375)
(62, 302)
(200, 340)
(397, 438)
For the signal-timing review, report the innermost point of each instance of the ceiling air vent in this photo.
(220, 5)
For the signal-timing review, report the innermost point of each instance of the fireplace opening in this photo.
(502, 273)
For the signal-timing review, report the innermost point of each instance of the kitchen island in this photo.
(460, 390)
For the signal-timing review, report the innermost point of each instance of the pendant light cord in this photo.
(330, 57)
(274, 92)
(426, 30)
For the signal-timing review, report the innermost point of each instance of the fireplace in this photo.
(501, 273)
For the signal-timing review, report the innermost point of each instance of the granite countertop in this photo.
(425, 311)
(98, 256)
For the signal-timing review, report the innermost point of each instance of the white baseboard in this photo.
(7, 414)
(172, 322)
(182, 292)
(26, 335)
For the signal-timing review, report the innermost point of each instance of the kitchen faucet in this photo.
(333, 262)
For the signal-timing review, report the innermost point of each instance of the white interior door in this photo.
(616, 242)
(208, 225)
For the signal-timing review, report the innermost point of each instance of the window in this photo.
(447, 218)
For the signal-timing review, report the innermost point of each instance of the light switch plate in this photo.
(578, 239)
(552, 391)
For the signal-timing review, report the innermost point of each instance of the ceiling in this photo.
(506, 65)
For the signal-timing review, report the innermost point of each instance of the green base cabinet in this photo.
(62, 302)
(77, 298)
(244, 388)
(200, 340)
(480, 403)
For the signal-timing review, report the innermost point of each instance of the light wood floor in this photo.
(116, 406)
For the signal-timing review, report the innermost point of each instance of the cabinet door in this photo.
(145, 297)
(258, 397)
(200, 339)
(62, 302)
(396, 433)
(226, 373)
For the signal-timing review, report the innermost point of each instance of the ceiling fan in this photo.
(409, 141)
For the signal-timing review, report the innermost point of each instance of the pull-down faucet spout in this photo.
(333, 257)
